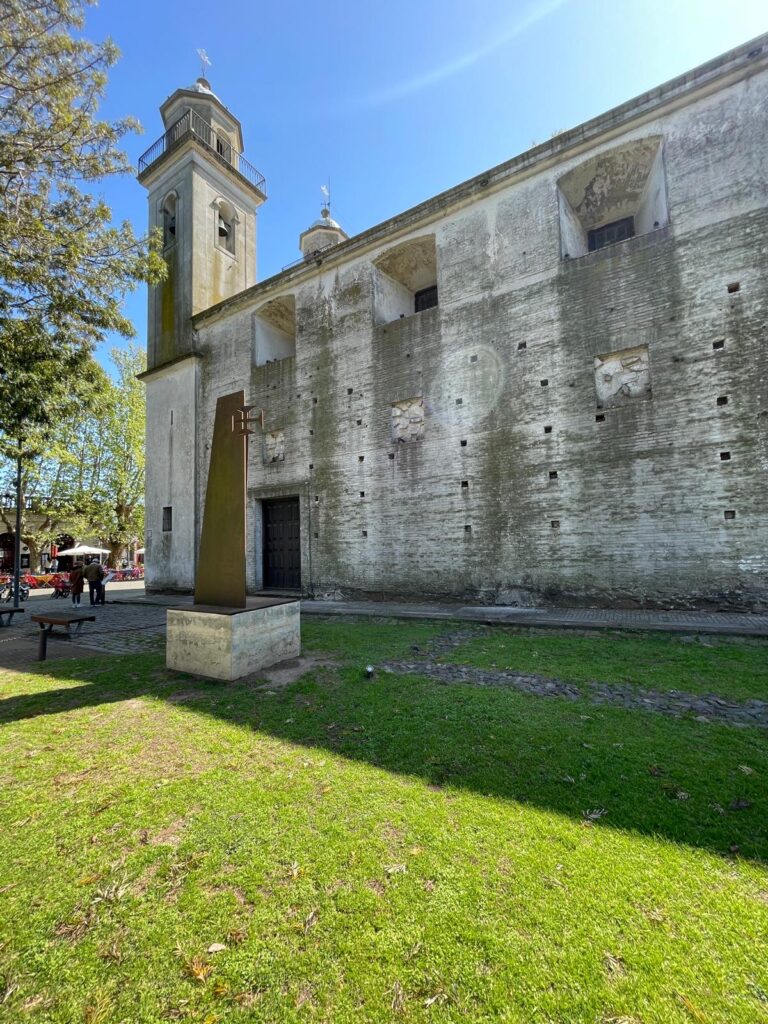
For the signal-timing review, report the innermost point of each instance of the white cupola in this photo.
(321, 234)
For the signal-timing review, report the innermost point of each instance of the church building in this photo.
(546, 385)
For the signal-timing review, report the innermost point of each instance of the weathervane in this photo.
(326, 190)
(205, 62)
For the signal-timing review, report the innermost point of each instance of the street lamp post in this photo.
(17, 536)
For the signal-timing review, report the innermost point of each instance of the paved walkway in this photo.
(134, 622)
(120, 628)
(556, 618)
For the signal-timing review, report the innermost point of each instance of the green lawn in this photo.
(379, 850)
(736, 668)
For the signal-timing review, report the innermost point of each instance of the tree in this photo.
(63, 266)
(58, 471)
(90, 480)
(114, 508)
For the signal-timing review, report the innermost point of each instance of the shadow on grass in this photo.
(698, 784)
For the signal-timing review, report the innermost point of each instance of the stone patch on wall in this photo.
(622, 376)
(408, 420)
(274, 446)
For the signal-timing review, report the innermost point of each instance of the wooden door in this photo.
(282, 546)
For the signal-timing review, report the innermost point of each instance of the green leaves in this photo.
(64, 267)
(83, 471)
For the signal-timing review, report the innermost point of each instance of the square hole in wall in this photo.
(600, 418)
(317, 497)
(729, 513)
(473, 359)
(734, 287)
(317, 535)
(467, 528)
(722, 400)
(167, 519)
(365, 533)
(465, 485)
(547, 429)
(359, 423)
(463, 443)
(622, 377)
(314, 401)
(311, 465)
(522, 346)
(361, 458)
(391, 455)
(349, 391)
(719, 345)
(555, 524)
(459, 401)
(553, 474)
(544, 383)
(725, 456)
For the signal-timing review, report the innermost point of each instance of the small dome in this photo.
(202, 85)
(310, 244)
(325, 221)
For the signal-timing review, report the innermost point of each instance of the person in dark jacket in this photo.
(76, 583)
(93, 574)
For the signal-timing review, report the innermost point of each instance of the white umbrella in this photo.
(83, 549)
(139, 551)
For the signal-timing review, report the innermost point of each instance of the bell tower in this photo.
(203, 196)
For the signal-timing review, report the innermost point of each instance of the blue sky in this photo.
(396, 101)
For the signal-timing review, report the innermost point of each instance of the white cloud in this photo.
(520, 25)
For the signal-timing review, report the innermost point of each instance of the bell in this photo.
(223, 228)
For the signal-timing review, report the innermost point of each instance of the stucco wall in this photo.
(170, 555)
(636, 509)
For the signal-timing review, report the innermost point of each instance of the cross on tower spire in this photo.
(205, 61)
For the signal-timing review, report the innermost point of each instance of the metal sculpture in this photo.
(220, 577)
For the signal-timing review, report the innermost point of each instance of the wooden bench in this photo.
(10, 612)
(71, 622)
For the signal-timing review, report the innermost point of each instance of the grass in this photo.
(375, 850)
(734, 668)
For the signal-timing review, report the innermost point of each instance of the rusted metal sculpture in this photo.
(220, 577)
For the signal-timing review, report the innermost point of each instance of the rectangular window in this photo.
(167, 519)
(608, 234)
(425, 299)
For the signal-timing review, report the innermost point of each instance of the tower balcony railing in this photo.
(192, 126)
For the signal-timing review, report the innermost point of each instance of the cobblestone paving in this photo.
(118, 629)
(705, 708)
(725, 623)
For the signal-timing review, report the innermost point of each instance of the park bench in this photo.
(71, 622)
(10, 612)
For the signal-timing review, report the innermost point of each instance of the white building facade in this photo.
(546, 385)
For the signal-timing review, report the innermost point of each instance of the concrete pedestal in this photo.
(227, 643)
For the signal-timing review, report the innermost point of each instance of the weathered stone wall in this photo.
(528, 486)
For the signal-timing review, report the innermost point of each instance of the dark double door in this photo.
(282, 544)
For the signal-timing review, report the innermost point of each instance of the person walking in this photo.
(92, 573)
(76, 583)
